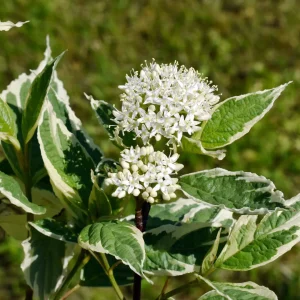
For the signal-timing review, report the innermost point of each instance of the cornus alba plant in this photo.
(67, 202)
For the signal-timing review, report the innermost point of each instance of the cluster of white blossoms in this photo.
(165, 100)
(146, 173)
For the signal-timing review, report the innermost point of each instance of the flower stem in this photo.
(141, 217)
(162, 293)
(72, 290)
(178, 290)
(110, 273)
(82, 260)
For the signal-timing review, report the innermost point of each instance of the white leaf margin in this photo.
(179, 231)
(19, 202)
(136, 233)
(29, 259)
(252, 219)
(276, 195)
(255, 289)
(276, 92)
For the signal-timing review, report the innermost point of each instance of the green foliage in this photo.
(172, 244)
(11, 189)
(104, 113)
(120, 239)
(234, 117)
(8, 130)
(274, 235)
(44, 263)
(243, 291)
(241, 192)
(93, 275)
(35, 100)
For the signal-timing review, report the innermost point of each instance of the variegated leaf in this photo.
(35, 100)
(240, 192)
(55, 230)
(8, 127)
(119, 239)
(14, 221)
(45, 263)
(209, 259)
(180, 234)
(12, 191)
(234, 117)
(104, 113)
(67, 162)
(251, 245)
(233, 291)
(99, 205)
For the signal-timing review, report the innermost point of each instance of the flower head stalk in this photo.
(165, 100)
(146, 173)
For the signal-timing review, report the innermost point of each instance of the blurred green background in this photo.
(243, 46)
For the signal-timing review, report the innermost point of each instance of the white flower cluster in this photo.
(146, 173)
(164, 100)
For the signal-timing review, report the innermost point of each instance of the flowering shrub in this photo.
(57, 181)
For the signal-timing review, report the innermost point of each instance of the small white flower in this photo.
(147, 173)
(165, 100)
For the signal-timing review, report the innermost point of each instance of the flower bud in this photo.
(166, 197)
(124, 164)
(150, 200)
(136, 192)
(153, 194)
(145, 195)
(134, 168)
(122, 194)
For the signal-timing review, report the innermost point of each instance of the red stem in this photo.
(141, 218)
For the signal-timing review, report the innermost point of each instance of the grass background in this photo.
(243, 46)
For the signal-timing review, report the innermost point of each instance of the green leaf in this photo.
(120, 239)
(11, 189)
(234, 117)
(93, 274)
(59, 99)
(12, 157)
(5, 167)
(45, 263)
(14, 220)
(99, 205)
(211, 256)
(35, 100)
(104, 113)
(233, 291)
(194, 146)
(8, 127)
(252, 244)
(106, 165)
(67, 162)
(240, 192)
(55, 230)
(180, 234)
